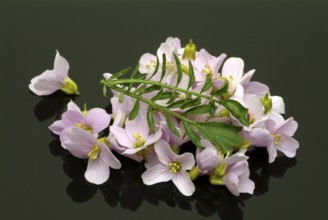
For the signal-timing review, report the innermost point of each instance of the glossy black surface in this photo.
(285, 41)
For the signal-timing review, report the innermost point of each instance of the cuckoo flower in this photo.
(282, 132)
(135, 136)
(84, 145)
(171, 167)
(206, 64)
(52, 80)
(95, 120)
(231, 171)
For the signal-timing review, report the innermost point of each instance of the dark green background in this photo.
(285, 41)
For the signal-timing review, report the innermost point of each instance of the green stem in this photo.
(153, 104)
(128, 81)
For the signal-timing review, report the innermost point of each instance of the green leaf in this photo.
(105, 90)
(121, 97)
(158, 95)
(176, 104)
(133, 74)
(150, 119)
(208, 83)
(222, 135)
(191, 76)
(171, 125)
(140, 76)
(191, 103)
(151, 89)
(173, 97)
(165, 95)
(140, 89)
(163, 67)
(198, 110)
(212, 108)
(193, 136)
(135, 110)
(177, 61)
(121, 73)
(237, 110)
(156, 67)
(222, 90)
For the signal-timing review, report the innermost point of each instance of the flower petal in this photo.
(186, 160)
(231, 181)
(164, 152)
(156, 174)
(272, 151)
(288, 128)
(259, 137)
(57, 127)
(245, 184)
(288, 146)
(45, 84)
(61, 67)
(183, 183)
(97, 119)
(73, 107)
(153, 138)
(108, 158)
(278, 104)
(234, 67)
(120, 136)
(138, 125)
(80, 142)
(256, 88)
(97, 171)
(71, 118)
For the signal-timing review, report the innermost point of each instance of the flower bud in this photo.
(194, 172)
(189, 52)
(267, 103)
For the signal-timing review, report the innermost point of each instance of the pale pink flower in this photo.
(84, 145)
(52, 80)
(171, 167)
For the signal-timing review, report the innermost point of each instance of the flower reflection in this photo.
(126, 189)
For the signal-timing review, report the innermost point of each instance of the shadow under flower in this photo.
(51, 106)
(125, 186)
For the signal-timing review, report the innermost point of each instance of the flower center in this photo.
(85, 127)
(277, 139)
(207, 70)
(152, 64)
(139, 141)
(175, 167)
(93, 154)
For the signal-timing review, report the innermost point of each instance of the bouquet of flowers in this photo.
(178, 95)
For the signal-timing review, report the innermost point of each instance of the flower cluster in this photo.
(176, 96)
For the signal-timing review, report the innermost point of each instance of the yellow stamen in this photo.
(207, 70)
(85, 127)
(175, 167)
(139, 140)
(277, 139)
(93, 154)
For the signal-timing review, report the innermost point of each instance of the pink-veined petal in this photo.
(207, 159)
(80, 142)
(138, 125)
(156, 174)
(245, 184)
(120, 136)
(234, 67)
(272, 151)
(256, 88)
(236, 158)
(153, 138)
(97, 119)
(71, 118)
(164, 152)
(45, 84)
(183, 182)
(231, 181)
(73, 107)
(288, 128)
(186, 160)
(259, 137)
(61, 67)
(97, 171)
(288, 146)
(108, 158)
(247, 77)
(57, 127)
